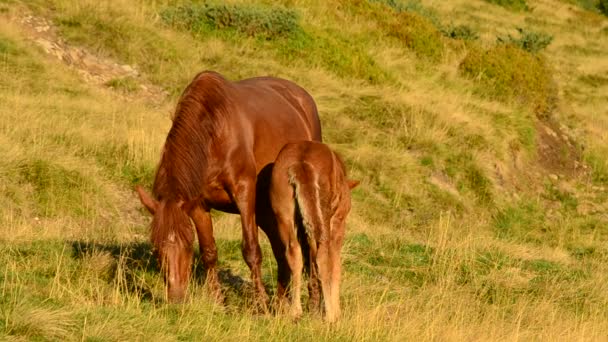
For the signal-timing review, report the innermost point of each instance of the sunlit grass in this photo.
(457, 233)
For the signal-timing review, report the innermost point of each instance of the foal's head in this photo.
(172, 238)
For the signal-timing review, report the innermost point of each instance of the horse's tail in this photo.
(305, 182)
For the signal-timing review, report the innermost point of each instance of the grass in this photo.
(457, 231)
(510, 73)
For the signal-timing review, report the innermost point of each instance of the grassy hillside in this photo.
(479, 130)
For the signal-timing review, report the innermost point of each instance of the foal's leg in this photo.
(293, 254)
(244, 196)
(336, 241)
(314, 295)
(323, 264)
(206, 242)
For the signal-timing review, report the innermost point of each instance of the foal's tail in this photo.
(304, 179)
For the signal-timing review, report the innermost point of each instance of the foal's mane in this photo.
(199, 117)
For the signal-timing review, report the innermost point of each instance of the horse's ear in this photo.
(352, 183)
(150, 203)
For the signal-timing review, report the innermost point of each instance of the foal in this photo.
(310, 197)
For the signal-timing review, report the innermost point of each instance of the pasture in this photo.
(478, 130)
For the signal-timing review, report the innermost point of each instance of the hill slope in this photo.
(482, 212)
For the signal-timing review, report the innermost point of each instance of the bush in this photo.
(603, 7)
(510, 73)
(265, 21)
(515, 5)
(419, 35)
(462, 32)
(528, 40)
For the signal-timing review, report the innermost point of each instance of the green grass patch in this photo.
(123, 84)
(253, 20)
(521, 221)
(599, 166)
(57, 190)
(278, 29)
(418, 34)
(567, 200)
(468, 176)
(461, 32)
(392, 259)
(510, 73)
(514, 5)
(527, 40)
(595, 81)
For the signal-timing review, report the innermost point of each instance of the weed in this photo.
(123, 84)
(530, 41)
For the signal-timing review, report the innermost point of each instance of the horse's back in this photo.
(271, 92)
(314, 152)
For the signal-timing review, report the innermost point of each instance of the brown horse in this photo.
(310, 196)
(223, 135)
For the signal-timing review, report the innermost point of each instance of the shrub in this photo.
(528, 40)
(265, 21)
(462, 32)
(510, 73)
(603, 7)
(418, 34)
(515, 5)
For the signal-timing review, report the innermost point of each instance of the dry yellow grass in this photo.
(457, 231)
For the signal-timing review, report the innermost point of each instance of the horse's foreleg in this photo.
(245, 200)
(206, 242)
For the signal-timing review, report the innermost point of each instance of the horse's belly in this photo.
(217, 198)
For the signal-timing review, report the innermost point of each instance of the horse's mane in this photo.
(172, 219)
(199, 117)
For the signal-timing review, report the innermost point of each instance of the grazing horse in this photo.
(224, 134)
(310, 197)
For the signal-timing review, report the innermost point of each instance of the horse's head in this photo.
(172, 238)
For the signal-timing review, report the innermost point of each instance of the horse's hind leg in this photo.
(204, 231)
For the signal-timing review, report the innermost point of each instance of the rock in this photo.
(550, 132)
(46, 45)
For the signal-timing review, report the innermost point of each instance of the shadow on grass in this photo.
(137, 259)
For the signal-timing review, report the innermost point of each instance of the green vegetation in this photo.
(528, 40)
(510, 73)
(418, 34)
(515, 5)
(267, 22)
(466, 225)
(124, 84)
